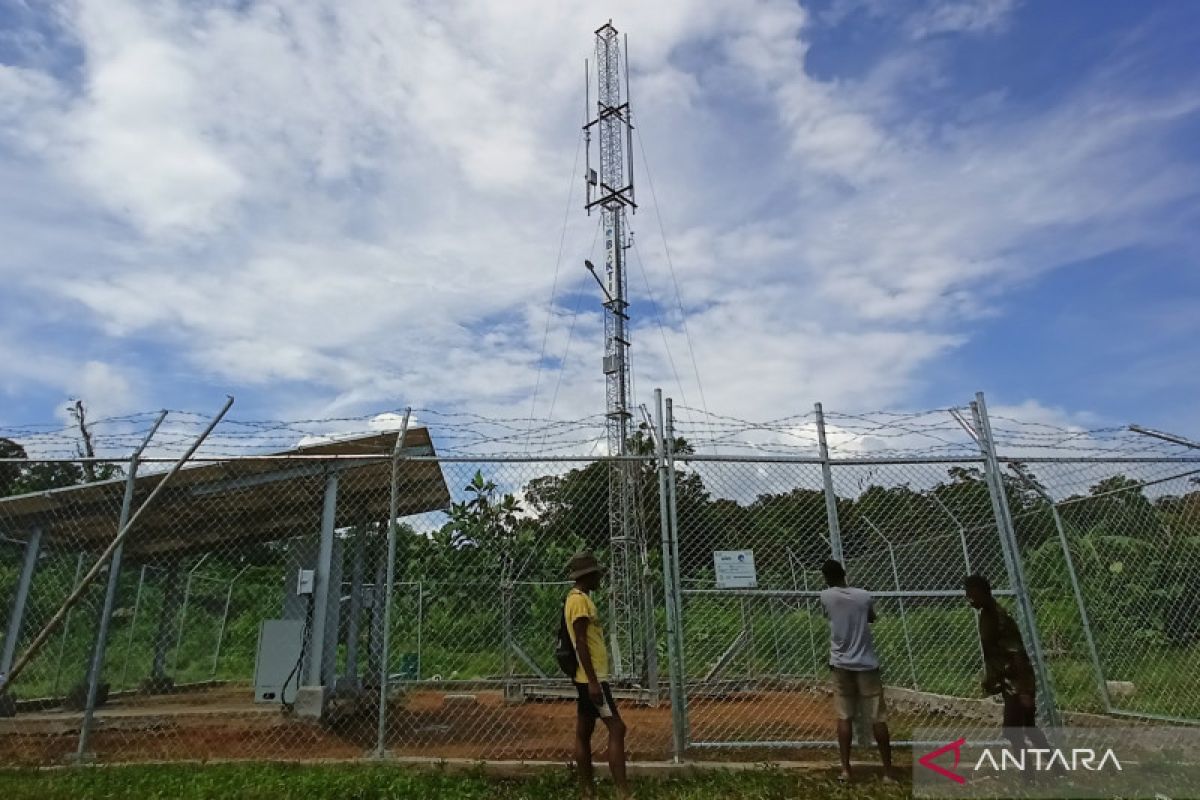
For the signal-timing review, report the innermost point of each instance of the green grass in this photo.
(368, 782)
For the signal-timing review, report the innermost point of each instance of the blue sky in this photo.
(336, 208)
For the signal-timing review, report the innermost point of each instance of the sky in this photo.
(336, 208)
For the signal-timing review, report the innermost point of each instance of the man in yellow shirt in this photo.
(591, 677)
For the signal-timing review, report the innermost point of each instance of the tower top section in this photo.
(612, 118)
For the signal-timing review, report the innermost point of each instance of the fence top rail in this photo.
(1008, 459)
(864, 461)
(323, 458)
(817, 593)
(687, 458)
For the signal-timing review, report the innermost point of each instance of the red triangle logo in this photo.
(927, 762)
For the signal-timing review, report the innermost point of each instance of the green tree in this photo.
(10, 472)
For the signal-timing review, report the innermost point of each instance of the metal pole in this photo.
(1076, 589)
(110, 596)
(674, 675)
(393, 513)
(16, 618)
(62, 644)
(1166, 437)
(117, 541)
(224, 622)
(1005, 550)
(673, 513)
(1008, 540)
(831, 510)
(1101, 683)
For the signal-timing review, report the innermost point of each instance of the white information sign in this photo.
(735, 569)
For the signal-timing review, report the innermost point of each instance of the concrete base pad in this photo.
(310, 702)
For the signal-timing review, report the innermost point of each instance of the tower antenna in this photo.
(611, 191)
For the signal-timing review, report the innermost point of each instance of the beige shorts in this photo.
(859, 692)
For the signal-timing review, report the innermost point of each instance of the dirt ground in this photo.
(224, 724)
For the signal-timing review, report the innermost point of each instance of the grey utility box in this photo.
(279, 643)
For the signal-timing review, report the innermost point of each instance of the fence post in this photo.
(1101, 683)
(110, 598)
(16, 616)
(1012, 554)
(390, 582)
(677, 573)
(669, 581)
(831, 511)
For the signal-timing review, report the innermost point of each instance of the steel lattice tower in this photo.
(612, 192)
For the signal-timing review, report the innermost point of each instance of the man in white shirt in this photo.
(857, 685)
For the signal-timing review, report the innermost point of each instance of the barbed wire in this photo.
(884, 434)
(453, 433)
(898, 434)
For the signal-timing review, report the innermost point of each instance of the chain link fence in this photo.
(1113, 550)
(368, 596)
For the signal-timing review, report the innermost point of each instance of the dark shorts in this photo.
(586, 708)
(1017, 714)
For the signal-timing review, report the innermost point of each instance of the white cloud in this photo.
(928, 17)
(108, 388)
(136, 139)
(961, 16)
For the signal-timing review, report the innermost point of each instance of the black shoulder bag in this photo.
(564, 651)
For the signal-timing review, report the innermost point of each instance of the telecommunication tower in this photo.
(611, 191)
